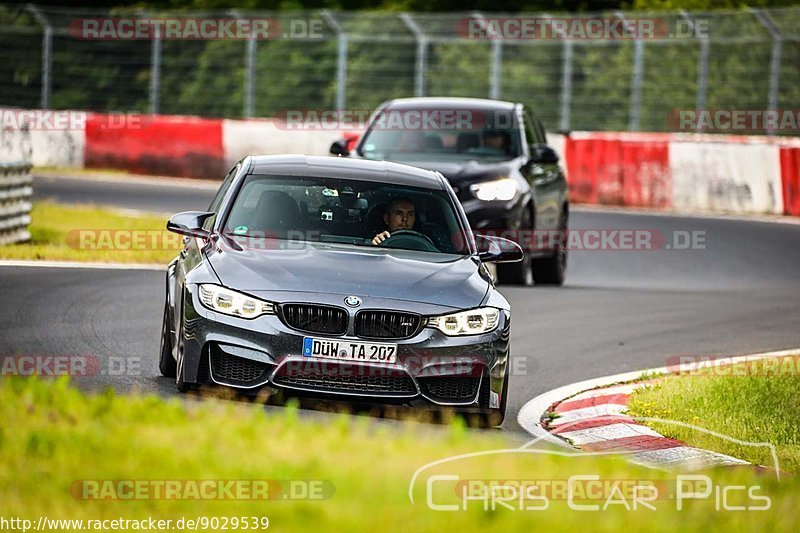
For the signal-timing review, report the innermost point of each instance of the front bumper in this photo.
(431, 367)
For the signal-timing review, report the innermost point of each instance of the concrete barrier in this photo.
(268, 136)
(685, 172)
(790, 176)
(164, 145)
(726, 177)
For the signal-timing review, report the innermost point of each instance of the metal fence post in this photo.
(341, 60)
(566, 84)
(422, 53)
(636, 80)
(497, 58)
(775, 61)
(702, 63)
(47, 54)
(249, 71)
(155, 70)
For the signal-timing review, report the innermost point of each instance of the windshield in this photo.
(431, 135)
(352, 212)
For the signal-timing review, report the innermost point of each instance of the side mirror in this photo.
(543, 155)
(340, 148)
(189, 223)
(498, 250)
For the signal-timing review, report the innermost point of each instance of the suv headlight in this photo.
(502, 189)
(233, 303)
(482, 320)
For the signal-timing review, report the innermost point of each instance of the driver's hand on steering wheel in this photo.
(380, 237)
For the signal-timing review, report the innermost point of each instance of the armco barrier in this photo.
(164, 145)
(16, 189)
(790, 177)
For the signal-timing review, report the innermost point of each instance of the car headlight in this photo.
(472, 322)
(502, 189)
(233, 303)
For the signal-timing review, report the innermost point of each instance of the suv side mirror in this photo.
(190, 223)
(543, 154)
(340, 148)
(498, 250)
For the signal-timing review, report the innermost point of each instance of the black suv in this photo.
(496, 157)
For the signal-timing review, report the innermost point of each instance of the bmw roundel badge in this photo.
(352, 301)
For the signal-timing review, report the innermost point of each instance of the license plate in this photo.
(349, 351)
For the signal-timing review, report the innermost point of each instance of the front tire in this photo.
(521, 272)
(552, 270)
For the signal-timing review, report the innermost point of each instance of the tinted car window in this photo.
(406, 134)
(319, 209)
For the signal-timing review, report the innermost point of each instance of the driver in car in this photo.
(401, 214)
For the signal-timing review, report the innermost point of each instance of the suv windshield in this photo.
(351, 212)
(431, 135)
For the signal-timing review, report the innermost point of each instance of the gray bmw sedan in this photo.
(347, 278)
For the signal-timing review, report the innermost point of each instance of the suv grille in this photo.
(315, 318)
(348, 379)
(387, 324)
(236, 369)
(451, 389)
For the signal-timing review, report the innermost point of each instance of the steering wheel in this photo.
(410, 240)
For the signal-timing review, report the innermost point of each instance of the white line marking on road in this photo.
(606, 391)
(78, 264)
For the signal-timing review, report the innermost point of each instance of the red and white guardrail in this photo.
(683, 172)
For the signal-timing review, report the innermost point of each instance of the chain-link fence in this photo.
(574, 77)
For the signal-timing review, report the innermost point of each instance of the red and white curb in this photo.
(591, 416)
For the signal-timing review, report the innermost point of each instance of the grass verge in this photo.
(54, 437)
(88, 233)
(754, 401)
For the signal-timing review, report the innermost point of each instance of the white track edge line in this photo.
(78, 264)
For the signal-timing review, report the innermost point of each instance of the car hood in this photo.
(460, 173)
(438, 279)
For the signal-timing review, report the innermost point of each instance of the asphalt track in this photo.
(619, 311)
